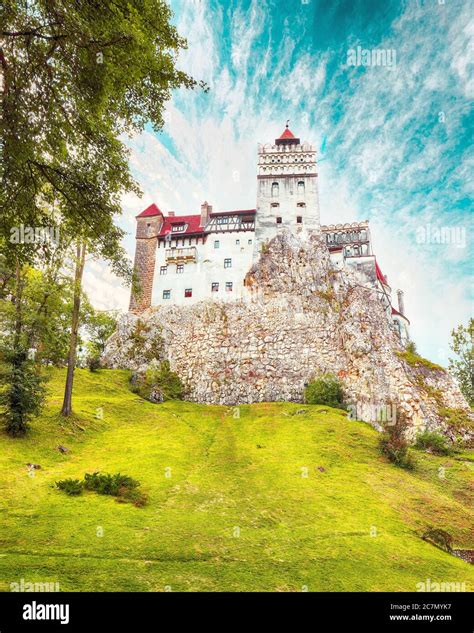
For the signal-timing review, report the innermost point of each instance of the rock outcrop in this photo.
(303, 317)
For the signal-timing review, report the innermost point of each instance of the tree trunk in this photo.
(71, 361)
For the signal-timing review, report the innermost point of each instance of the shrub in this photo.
(105, 484)
(394, 445)
(123, 487)
(93, 362)
(158, 384)
(415, 360)
(326, 389)
(439, 537)
(72, 487)
(434, 443)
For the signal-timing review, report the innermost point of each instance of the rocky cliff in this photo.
(303, 317)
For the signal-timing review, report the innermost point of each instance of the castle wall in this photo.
(302, 317)
(208, 268)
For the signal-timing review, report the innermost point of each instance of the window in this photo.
(228, 286)
(237, 242)
(216, 244)
(278, 220)
(301, 204)
(301, 187)
(227, 263)
(299, 219)
(275, 204)
(179, 268)
(166, 294)
(250, 241)
(178, 228)
(215, 286)
(163, 270)
(275, 190)
(188, 292)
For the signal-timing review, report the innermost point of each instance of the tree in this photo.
(462, 367)
(76, 77)
(23, 394)
(99, 328)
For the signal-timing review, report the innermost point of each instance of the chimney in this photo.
(171, 214)
(401, 305)
(206, 210)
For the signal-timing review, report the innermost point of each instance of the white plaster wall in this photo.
(208, 268)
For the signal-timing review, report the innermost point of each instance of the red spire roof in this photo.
(149, 211)
(287, 134)
(287, 137)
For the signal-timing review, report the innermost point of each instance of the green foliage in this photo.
(160, 380)
(77, 77)
(457, 419)
(93, 362)
(99, 327)
(433, 443)
(394, 445)
(411, 348)
(125, 488)
(327, 389)
(462, 367)
(72, 487)
(414, 359)
(105, 484)
(22, 394)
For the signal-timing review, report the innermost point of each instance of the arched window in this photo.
(275, 190)
(301, 188)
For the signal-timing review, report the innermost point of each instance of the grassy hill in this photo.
(296, 531)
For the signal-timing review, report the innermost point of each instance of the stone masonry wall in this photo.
(302, 318)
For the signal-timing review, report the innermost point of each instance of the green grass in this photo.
(226, 473)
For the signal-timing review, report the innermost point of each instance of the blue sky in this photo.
(393, 139)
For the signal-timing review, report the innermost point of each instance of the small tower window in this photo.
(216, 244)
(166, 294)
(278, 220)
(299, 219)
(237, 242)
(163, 270)
(179, 268)
(301, 187)
(229, 286)
(215, 286)
(275, 204)
(228, 262)
(188, 292)
(250, 241)
(275, 190)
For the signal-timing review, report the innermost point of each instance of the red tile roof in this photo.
(151, 210)
(193, 225)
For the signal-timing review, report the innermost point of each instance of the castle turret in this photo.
(149, 223)
(401, 304)
(287, 195)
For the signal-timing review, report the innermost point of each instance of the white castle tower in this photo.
(287, 189)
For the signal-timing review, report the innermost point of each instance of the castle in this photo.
(184, 259)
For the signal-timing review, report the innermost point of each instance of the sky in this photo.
(383, 88)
